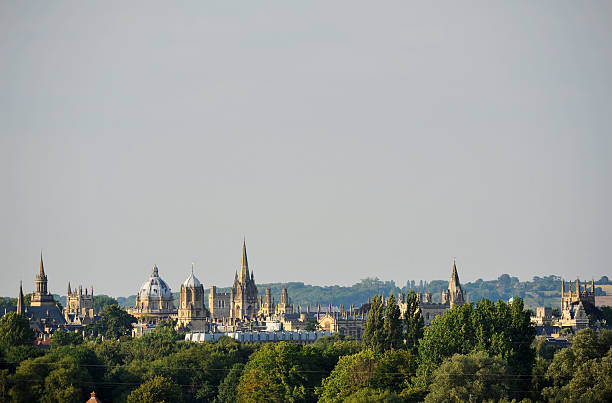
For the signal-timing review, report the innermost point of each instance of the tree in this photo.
(114, 322)
(311, 325)
(373, 332)
(352, 373)
(280, 372)
(369, 395)
(227, 388)
(102, 301)
(393, 325)
(584, 370)
(63, 338)
(413, 322)
(469, 378)
(501, 329)
(15, 330)
(157, 389)
(389, 372)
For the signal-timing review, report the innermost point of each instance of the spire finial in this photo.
(192, 263)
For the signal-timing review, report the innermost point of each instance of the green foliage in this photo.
(102, 301)
(15, 330)
(114, 322)
(62, 375)
(388, 373)
(63, 338)
(157, 389)
(280, 372)
(469, 378)
(502, 330)
(413, 322)
(352, 373)
(606, 314)
(8, 302)
(392, 325)
(582, 372)
(369, 395)
(229, 386)
(311, 325)
(373, 332)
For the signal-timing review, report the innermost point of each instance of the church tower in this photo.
(191, 311)
(454, 294)
(244, 303)
(41, 296)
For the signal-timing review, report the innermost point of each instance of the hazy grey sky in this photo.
(343, 139)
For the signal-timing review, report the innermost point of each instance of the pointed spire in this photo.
(453, 284)
(41, 269)
(20, 300)
(69, 290)
(244, 265)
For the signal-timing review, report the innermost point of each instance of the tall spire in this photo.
(453, 284)
(244, 265)
(20, 300)
(69, 290)
(41, 269)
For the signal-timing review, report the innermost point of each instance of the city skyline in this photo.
(345, 141)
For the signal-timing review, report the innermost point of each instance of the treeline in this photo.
(477, 352)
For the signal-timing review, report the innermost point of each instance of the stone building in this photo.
(44, 315)
(79, 307)
(191, 311)
(219, 304)
(284, 307)
(41, 296)
(154, 300)
(241, 303)
(243, 295)
(576, 305)
(452, 296)
(346, 323)
(266, 305)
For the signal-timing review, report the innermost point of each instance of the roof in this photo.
(154, 287)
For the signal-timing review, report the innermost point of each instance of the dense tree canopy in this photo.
(15, 330)
(114, 322)
(471, 353)
(500, 329)
(413, 322)
(469, 378)
(373, 331)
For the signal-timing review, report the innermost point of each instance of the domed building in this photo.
(191, 311)
(154, 299)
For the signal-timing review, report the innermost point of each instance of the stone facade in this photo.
(79, 307)
(41, 296)
(191, 311)
(218, 304)
(241, 303)
(576, 305)
(154, 300)
(346, 323)
(243, 295)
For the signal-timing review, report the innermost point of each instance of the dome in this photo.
(192, 281)
(154, 287)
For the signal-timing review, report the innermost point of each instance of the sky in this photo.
(343, 140)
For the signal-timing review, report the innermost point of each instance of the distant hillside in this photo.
(541, 291)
